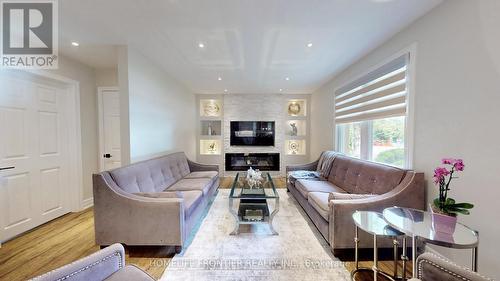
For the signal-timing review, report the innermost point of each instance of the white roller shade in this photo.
(379, 94)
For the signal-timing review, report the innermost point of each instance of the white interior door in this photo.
(34, 140)
(109, 128)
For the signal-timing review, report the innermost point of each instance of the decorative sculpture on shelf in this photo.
(212, 147)
(211, 108)
(294, 147)
(294, 129)
(294, 109)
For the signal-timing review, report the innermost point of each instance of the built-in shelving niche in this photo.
(300, 128)
(210, 128)
(295, 147)
(210, 147)
(296, 108)
(210, 108)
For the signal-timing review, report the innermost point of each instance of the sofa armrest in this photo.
(433, 267)
(197, 167)
(409, 193)
(97, 266)
(303, 167)
(135, 220)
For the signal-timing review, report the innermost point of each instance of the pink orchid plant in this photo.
(443, 177)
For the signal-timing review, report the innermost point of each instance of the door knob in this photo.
(107, 155)
(6, 168)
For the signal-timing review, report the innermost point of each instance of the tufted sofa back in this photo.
(153, 175)
(364, 177)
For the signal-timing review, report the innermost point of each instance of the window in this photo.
(349, 138)
(371, 115)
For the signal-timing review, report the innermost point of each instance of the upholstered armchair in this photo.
(107, 264)
(431, 267)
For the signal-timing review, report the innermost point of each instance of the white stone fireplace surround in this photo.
(241, 107)
(258, 107)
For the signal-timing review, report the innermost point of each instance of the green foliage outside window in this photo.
(393, 157)
(390, 130)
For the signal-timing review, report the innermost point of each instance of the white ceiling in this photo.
(252, 44)
(97, 56)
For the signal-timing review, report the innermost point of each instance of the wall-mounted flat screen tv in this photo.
(252, 133)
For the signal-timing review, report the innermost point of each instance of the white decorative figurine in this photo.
(254, 177)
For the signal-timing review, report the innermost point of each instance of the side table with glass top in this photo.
(418, 225)
(374, 224)
(253, 207)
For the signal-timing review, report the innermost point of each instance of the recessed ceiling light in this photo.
(309, 45)
(220, 78)
(287, 78)
(201, 45)
(225, 90)
(281, 90)
(76, 44)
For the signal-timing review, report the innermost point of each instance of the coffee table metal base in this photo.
(266, 220)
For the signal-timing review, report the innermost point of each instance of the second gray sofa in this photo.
(154, 202)
(354, 184)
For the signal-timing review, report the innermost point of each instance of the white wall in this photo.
(106, 77)
(88, 115)
(457, 100)
(123, 84)
(162, 112)
(322, 127)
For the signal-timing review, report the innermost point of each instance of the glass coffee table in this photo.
(253, 207)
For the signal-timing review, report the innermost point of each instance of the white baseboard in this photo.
(86, 203)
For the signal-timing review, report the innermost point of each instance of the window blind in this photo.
(380, 94)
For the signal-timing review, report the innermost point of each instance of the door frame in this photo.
(77, 202)
(100, 91)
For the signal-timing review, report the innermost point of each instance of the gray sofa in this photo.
(354, 184)
(154, 202)
(107, 264)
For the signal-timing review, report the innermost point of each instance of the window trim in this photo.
(410, 104)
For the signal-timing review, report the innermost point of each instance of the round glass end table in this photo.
(374, 224)
(418, 225)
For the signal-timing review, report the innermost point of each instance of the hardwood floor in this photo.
(71, 237)
(65, 240)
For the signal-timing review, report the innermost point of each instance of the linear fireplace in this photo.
(261, 161)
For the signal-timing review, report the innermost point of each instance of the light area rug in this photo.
(297, 253)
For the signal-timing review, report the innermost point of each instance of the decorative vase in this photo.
(443, 223)
(294, 129)
(209, 129)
